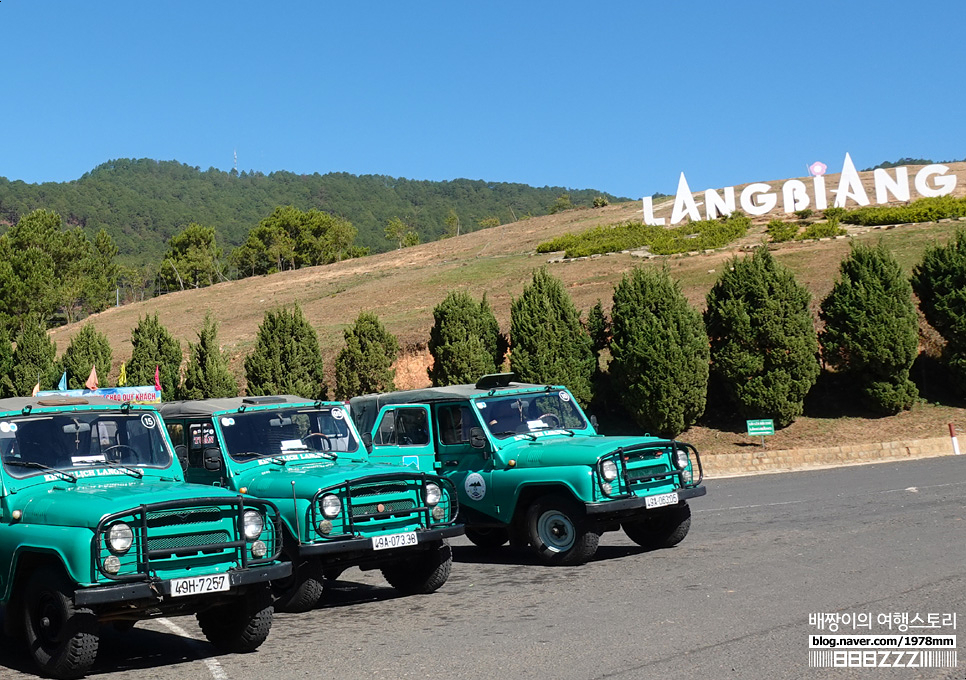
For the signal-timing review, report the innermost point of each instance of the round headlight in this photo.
(112, 564)
(433, 494)
(608, 470)
(331, 505)
(119, 538)
(253, 524)
(681, 458)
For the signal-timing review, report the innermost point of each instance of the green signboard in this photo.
(760, 427)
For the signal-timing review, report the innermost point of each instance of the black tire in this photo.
(488, 538)
(238, 627)
(558, 532)
(62, 638)
(663, 528)
(422, 573)
(301, 591)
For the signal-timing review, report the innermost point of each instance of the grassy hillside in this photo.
(403, 286)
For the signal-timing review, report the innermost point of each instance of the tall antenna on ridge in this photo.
(236, 160)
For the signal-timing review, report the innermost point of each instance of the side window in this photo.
(385, 435)
(412, 427)
(454, 423)
(200, 435)
(403, 427)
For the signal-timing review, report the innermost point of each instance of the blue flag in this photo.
(62, 385)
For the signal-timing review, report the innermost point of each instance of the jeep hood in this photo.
(552, 449)
(84, 505)
(304, 481)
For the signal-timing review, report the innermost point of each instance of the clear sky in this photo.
(617, 96)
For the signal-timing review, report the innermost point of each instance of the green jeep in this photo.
(338, 509)
(97, 525)
(530, 467)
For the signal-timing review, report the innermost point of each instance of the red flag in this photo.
(157, 377)
(91, 383)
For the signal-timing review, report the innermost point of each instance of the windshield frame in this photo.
(562, 414)
(83, 443)
(336, 431)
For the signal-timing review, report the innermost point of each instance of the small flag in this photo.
(91, 383)
(122, 379)
(157, 378)
(36, 389)
(62, 385)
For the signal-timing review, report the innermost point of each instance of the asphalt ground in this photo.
(736, 599)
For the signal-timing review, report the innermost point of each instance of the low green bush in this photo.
(612, 238)
(920, 210)
(781, 231)
(822, 230)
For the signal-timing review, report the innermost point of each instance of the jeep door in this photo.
(402, 436)
(468, 467)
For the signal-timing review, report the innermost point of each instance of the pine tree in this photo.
(208, 375)
(6, 365)
(939, 281)
(154, 348)
(286, 358)
(33, 359)
(365, 363)
(659, 353)
(598, 328)
(871, 328)
(88, 348)
(763, 344)
(464, 340)
(548, 343)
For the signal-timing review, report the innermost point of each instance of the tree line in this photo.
(755, 345)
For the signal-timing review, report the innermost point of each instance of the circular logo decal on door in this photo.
(475, 486)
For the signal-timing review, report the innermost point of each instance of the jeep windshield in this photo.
(46, 443)
(322, 433)
(507, 416)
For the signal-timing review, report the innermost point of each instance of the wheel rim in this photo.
(48, 621)
(556, 531)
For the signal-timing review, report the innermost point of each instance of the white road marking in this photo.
(215, 668)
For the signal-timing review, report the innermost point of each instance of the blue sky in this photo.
(616, 96)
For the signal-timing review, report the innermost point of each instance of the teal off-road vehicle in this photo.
(97, 525)
(338, 508)
(530, 467)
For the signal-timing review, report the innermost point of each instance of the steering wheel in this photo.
(551, 419)
(120, 449)
(312, 434)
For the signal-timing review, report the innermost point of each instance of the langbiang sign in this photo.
(759, 198)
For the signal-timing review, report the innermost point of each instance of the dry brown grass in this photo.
(403, 286)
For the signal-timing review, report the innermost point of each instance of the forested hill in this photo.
(142, 203)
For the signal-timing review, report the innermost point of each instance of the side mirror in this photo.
(181, 451)
(593, 422)
(477, 438)
(367, 441)
(212, 458)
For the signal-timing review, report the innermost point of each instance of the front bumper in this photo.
(630, 506)
(363, 545)
(160, 589)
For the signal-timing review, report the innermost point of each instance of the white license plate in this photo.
(394, 540)
(199, 585)
(662, 500)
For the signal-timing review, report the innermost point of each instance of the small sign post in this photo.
(759, 428)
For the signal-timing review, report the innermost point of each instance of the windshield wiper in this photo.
(257, 455)
(134, 472)
(508, 433)
(40, 466)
